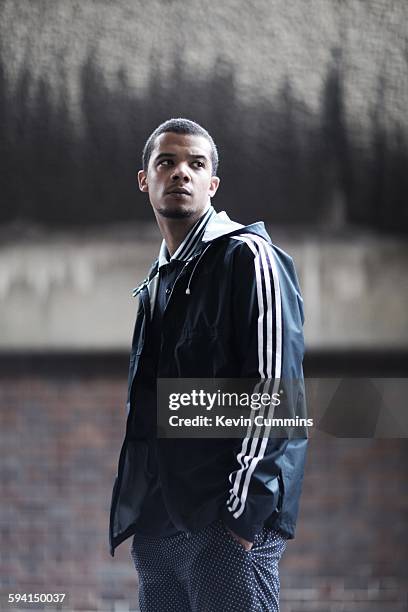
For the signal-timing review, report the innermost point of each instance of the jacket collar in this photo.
(209, 227)
(191, 242)
(220, 225)
(185, 251)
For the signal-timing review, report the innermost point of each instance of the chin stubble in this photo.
(175, 214)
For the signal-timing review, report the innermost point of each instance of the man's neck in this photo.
(174, 231)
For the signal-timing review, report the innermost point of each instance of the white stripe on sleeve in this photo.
(264, 262)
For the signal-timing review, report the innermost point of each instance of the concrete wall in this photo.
(73, 291)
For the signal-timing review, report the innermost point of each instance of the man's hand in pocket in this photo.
(247, 545)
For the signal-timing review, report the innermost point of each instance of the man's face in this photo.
(179, 177)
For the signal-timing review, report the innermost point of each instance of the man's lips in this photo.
(178, 190)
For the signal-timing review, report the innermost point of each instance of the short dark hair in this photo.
(179, 126)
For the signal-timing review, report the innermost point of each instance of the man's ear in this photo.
(215, 181)
(142, 179)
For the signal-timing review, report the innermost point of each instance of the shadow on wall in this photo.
(279, 161)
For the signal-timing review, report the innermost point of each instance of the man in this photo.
(210, 517)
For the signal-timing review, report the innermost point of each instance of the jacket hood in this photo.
(222, 225)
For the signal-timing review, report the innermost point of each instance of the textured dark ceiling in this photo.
(306, 100)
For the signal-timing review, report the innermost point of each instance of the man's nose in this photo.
(180, 172)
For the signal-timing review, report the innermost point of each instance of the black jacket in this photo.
(234, 311)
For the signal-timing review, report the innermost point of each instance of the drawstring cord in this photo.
(146, 281)
(188, 291)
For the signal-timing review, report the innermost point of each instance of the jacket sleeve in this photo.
(256, 481)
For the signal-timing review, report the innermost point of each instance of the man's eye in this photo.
(165, 162)
(199, 164)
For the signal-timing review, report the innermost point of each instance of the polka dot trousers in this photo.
(208, 571)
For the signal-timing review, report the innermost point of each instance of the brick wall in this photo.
(350, 551)
(61, 430)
